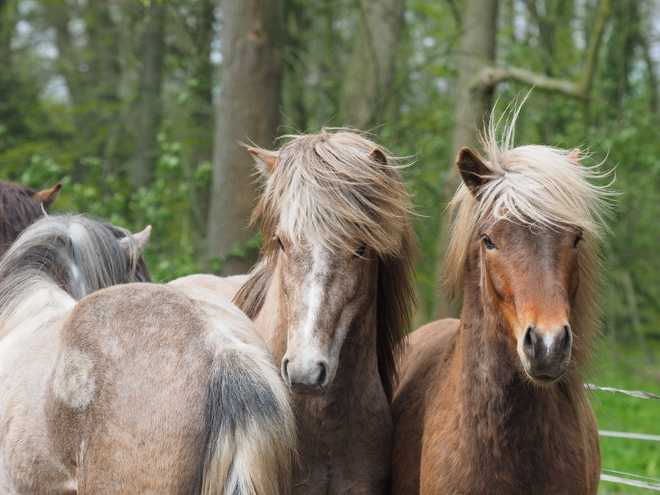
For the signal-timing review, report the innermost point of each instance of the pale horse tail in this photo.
(249, 427)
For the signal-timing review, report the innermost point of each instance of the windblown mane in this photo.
(538, 186)
(331, 188)
(72, 252)
(17, 211)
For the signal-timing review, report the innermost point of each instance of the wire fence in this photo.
(617, 476)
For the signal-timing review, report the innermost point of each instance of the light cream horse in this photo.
(331, 297)
(132, 389)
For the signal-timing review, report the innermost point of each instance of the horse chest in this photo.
(508, 452)
(343, 450)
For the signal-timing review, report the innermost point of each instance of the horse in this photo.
(19, 207)
(332, 295)
(493, 403)
(129, 388)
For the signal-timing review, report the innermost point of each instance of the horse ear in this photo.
(378, 155)
(473, 170)
(140, 239)
(266, 161)
(574, 156)
(47, 196)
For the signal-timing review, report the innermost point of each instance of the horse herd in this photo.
(307, 383)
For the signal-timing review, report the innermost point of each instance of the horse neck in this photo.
(271, 321)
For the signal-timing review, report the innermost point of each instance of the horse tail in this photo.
(249, 427)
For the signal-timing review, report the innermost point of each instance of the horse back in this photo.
(227, 287)
(423, 362)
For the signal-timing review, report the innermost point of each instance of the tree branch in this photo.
(491, 76)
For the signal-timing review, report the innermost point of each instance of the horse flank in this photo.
(70, 254)
(342, 200)
(538, 186)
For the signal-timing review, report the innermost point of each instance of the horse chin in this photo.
(546, 375)
(306, 390)
(544, 379)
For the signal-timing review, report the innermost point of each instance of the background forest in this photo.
(139, 107)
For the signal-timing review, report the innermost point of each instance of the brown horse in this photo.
(135, 388)
(19, 207)
(331, 296)
(493, 403)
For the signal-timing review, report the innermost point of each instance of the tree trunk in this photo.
(152, 49)
(478, 36)
(10, 114)
(202, 116)
(631, 299)
(247, 112)
(370, 74)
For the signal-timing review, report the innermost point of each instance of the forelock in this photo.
(328, 189)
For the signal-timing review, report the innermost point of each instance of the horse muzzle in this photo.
(546, 354)
(306, 377)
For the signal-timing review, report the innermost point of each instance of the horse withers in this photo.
(130, 388)
(493, 403)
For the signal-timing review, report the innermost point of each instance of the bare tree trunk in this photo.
(92, 71)
(10, 115)
(202, 115)
(247, 112)
(152, 48)
(631, 299)
(371, 72)
(650, 73)
(478, 36)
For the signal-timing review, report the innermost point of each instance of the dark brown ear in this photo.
(266, 161)
(473, 170)
(47, 196)
(378, 155)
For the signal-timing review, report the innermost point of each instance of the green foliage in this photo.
(171, 251)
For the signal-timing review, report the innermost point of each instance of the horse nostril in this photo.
(323, 375)
(566, 341)
(285, 371)
(529, 340)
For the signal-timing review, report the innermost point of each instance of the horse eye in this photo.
(577, 240)
(279, 241)
(488, 243)
(361, 251)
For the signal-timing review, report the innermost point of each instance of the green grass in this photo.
(618, 412)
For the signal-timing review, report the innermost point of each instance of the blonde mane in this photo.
(538, 186)
(340, 190)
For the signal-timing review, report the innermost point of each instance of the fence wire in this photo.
(630, 480)
(640, 394)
